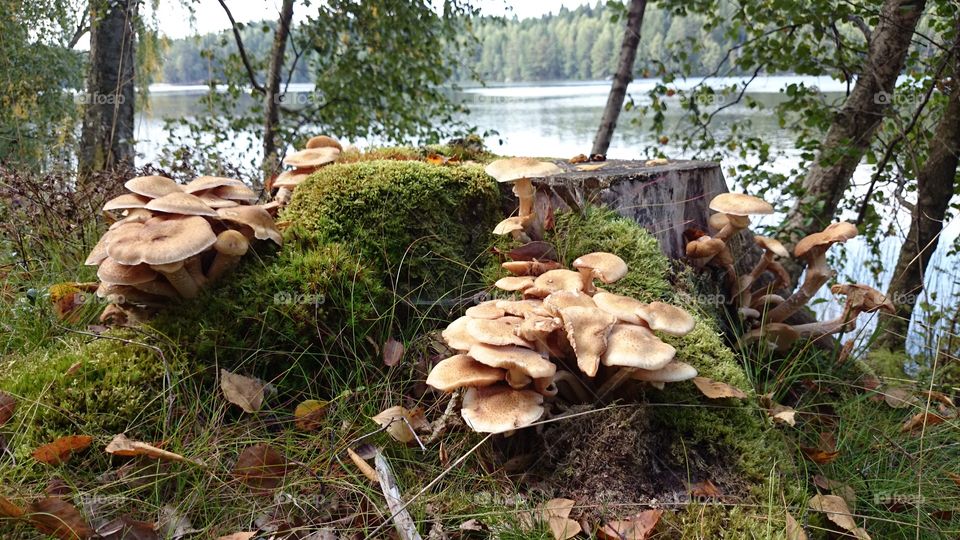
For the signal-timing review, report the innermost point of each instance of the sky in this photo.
(174, 19)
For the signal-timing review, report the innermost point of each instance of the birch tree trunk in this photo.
(272, 89)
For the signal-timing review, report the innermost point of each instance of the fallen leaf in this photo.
(172, 524)
(556, 512)
(127, 528)
(637, 527)
(364, 467)
(309, 415)
(122, 446)
(57, 488)
(845, 351)
(399, 420)
(837, 511)
(261, 467)
(794, 530)
(779, 413)
(955, 477)
(56, 517)
(656, 161)
(590, 167)
(938, 396)
(8, 509)
(392, 352)
(898, 398)
(534, 251)
(579, 158)
(437, 159)
(717, 390)
(918, 420)
(838, 488)
(73, 369)
(60, 450)
(239, 536)
(818, 455)
(705, 490)
(8, 405)
(245, 392)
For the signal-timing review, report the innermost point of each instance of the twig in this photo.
(446, 419)
(243, 51)
(402, 519)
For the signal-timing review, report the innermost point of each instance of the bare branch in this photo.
(243, 52)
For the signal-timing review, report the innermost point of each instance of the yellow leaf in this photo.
(310, 414)
(717, 390)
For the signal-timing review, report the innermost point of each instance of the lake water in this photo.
(561, 119)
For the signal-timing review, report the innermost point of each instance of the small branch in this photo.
(858, 21)
(243, 51)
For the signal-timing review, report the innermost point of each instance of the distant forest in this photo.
(579, 44)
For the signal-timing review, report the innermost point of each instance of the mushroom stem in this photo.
(816, 276)
(760, 303)
(586, 278)
(734, 225)
(615, 381)
(230, 247)
(283, 196)
(179, 277)
(525, 192)
(520, 236)
(576, 386)
(194, 266)
(517, 379)
(846, 322)
(157, 287)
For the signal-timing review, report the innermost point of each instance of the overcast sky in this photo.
(209, 16)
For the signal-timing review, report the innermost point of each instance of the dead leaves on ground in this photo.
(122, 446)
(400, 422)
(556, 514)
(779, 413)
(60, 450)
(261, 467)
(309, 415)
(244, 392)
(637, 527)
(392, 352)
(921, 420)
(718, 390)
(8, 405)
(837, 511)
(825, 451)
(56, 517)
(794, 530)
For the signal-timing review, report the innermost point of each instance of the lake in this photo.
(561, 119)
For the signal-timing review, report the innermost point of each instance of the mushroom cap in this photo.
(323, 141)
(835, 232)
(231, 242)
(535, 327)
(312, 157)
(111, 271)
(782, 335)
(514, 283)
(623, 308)
(521, 308)
(215, 202)
(236, 193)
(668, 319)
(511, 224)
(740, 204)
(560, 300)
(517, 168)
(772, 245)
(133, 215)
(255, 217)
(461, 370)
(502, 331)
(705, 246)
(587, 329)
(485, 310)
(606, 267)
(99, 251)
(560, 279)
(128, 295)
(455, 335)
(181, 203)
(152, 186)
(292, 179)
(513, 358)
(498, 408)
(675, 371)
(634, 346)
(530, 268)
(203, 183)
(718, 221)
(127, 200)
(161, 240)
(864, 298)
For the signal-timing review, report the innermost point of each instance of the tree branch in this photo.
(858, 21)
(243, 52)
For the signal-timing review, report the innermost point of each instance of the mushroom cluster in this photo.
(168, 240)
(520, 171)
(320, 151)
(762, 309)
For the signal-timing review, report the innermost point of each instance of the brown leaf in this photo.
(938, 396)
(399, 420)
(56, 517)
(556, 513)
(637, 527)
(794, 530)
(818, 455)
(60, 450)
(837, 488)
(9, 510)
(779, 413)
(239, 536)
(310, 414)
(918, 420)
(837, 511)
(392, 352)
(534, 251)
(245, 392)
(261, 467)
(8, 405)
(590, 167)
(717, 390)
(122, 446)
(705, 490)
(898, 398)
(127, 528)
(955, 477)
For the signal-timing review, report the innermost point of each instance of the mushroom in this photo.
(110, 271)
(152, 186)
(606, 267)
(520, 170)
(323, 141)
(813, 250)
(230, 246)
(779, 336)
(126, 201)
(675, 371)
(255, 217)
(860, 299)
(312, 157)
(239, 193)
(668, 319)
(485, 310)
(631, 347)
(587, 329)
(738, 207)
(500, 331)
(530, 268)
(522, 364)
(498, 408)
(537, 329)
(624, 308)
(771, 248)
(461, 370)
(178, 276)
(205, 183)
(181, 203)
(514, 283)
(560, 300)
(558, 280)
(513, 226)
(455, 335)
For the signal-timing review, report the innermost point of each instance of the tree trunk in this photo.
(935, 188)
(628, 53)
(107, 135)
(853, 129)
(272, 89)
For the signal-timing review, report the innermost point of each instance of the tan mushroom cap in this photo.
(606, 267)
(236, 193)
(495, 409)
(514, 283)
(781, 335)
(559, 280)
(560, 300)
(718, 221)
(126, 201)
(110, 271)
(622, 307)
(740, 204)
(312, 157)
(204, 183)
(771, 244)
(181, 203)
(668, 319)
(152, 186)
(256, 218)
(634, 346)
(461, 370)
(292, 179)
(324, 141)
(511, 224)
(835, 232)
(521, 308)
(129, 294)
(133, 215)
(587, 329)
(512, 169)
(675, 371)
(538, 327)
(485, 310)
(99, 251)
(455, 335)
(530, 268)
(705, 246)
(864, 298)
(513, 358)
(231, 242)
(161, 241)
(215, 202)
(502, 331)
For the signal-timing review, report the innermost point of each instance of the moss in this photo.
(422, 225)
